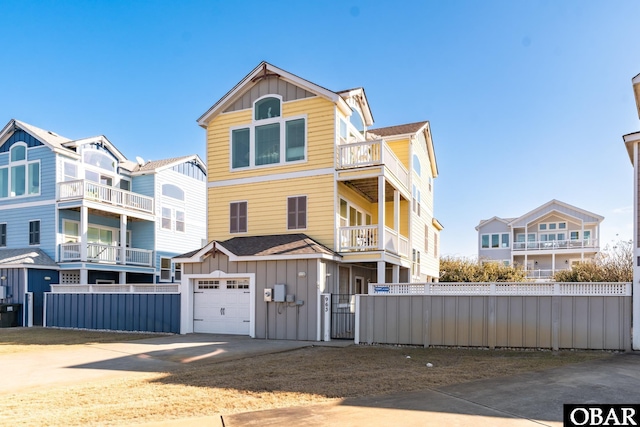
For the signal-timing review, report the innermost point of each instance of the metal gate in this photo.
(343, 316)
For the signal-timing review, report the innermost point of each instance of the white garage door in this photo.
(221, 306)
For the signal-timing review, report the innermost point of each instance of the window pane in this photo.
(343, 129)
(485, 241)
(18, 180)
(267, 108)
(70, 171)
(552, 226)
(574, 235)
(240, 148)
(4, 182)
(166, 218)
(180, 221)
(99, 159)
(3, 234)
(562, 225)
(543, 226)
(268, 144)
(172, 191)
(297, 212)
(34, 232)
(125, 184)
(295, 140)
(165, 263)
(71, 232)
(505, 240)
(18, 153)
(495, 240)
(34, 178)
(238, 217)
(356, 120)
(92, 176)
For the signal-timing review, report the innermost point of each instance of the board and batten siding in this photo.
(275, 320)
(320, 143)
(267, 207)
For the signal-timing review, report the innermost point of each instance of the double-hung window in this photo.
(3, 234)
(21, 177)
(238, 217)
(495, 241)
(165, 269)
(34, 232)
(296, 212)
(270, 139)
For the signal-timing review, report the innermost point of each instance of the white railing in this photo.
(370, 153)
(503, 289)
(554, 244)
(106, 254)
(83, 189)
(360, 238)
(137, 288)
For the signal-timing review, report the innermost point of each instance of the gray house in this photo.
(549, 238)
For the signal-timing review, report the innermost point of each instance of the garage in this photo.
(222, 306)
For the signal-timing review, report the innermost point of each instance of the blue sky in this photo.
(527, 100)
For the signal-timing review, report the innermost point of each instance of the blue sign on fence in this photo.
(381, 289)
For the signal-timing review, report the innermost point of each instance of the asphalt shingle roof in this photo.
(279, 244)
(398, 129)
(26, 256)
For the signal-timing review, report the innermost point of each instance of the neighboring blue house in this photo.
(77, 212)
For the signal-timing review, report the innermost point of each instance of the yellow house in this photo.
(298, 174)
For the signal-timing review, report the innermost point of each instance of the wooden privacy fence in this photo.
(525, 315)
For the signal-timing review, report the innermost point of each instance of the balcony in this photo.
(555, 245)
(106, 254)
(366, 238)
(372, 153)
(88, 190)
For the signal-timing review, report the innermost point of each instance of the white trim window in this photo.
(34, 232)
(416, 199)
(21, 177)
(495, 241)
(270, 139)
(173, 219)
(165, 269)
(551, 226)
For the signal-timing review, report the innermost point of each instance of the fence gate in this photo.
(343, 316)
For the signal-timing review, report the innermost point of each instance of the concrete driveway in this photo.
(531, 399)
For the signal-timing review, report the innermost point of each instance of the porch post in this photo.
(84, 219)
(395, 276)
(381, 272)
(381, 219)
(396, 213)
(123, 239)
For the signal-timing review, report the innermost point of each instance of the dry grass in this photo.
(301, 377)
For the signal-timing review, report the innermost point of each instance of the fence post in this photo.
(326, 309)
(356, 332)
(555, 321)
(427, 320)
(491, 335)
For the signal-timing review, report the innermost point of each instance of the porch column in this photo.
(396, 213)
(123, 239)
(381, 272)
(122, 278)
(381, 219)
(84, 276)
(395, 273)
(553, 263)
(84, 221)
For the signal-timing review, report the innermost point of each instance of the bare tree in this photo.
(612, 264)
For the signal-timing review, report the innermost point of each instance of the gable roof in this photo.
(158, 165)
(636, 91)
(495, 218)
(52, 139)
(264, 69)
(277, 246)
(407, 131)
(26, 257)
(555, 206)
(360, 97)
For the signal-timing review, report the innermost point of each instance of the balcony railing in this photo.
(106, 254)
(83, 189)
(503, 288)
(138, 288)
(372, 153)
(554, 244)
(366, 238)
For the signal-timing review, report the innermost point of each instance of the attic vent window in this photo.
(267, 108)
